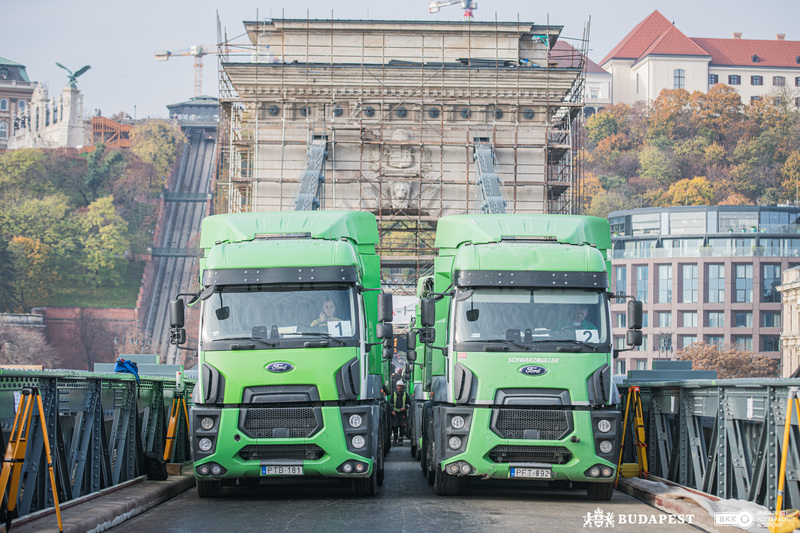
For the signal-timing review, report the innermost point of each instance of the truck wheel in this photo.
(446, 484)
(209, 488)
(423, 456)
(380, 465)
(600, 491)
(430, 465)
(367, 486)
(413, 447)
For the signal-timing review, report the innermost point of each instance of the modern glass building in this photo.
(703, 274)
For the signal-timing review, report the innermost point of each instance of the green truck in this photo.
(290, 363)
(518, 353)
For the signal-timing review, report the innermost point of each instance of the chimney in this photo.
(780, 36)
(737, 35)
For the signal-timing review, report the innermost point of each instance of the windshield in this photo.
(279, 315)
(523, 318)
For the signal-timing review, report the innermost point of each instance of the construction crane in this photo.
(197, 51)
(467, 5)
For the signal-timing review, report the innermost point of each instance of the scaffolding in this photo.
(403, 107)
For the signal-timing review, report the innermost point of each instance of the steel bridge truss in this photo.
(723, 439)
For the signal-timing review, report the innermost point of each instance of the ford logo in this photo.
(280, 367)
(533, 370)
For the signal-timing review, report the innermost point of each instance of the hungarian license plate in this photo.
(281, 470)
(532, 473)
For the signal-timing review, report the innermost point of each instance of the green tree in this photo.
(23, 170)
(8, 293)
(105, 242)
(156, 142)
(658, 165)
(601, 125)
(102, 170)
(35, 278)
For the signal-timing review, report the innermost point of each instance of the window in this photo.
(665, 319)
(21, 105)
(755, 99)
(713, 79)
(770, 319)
(716, 340)
(619, 342)
(743, 292)
(620, 366)
(643, 347)
(679, 79)
(756, 80)
(716, 319)
(734, 79)
(688, 340)
(3, 104)
(743, 342)
(778, 81)
(622, 279)
(3, 73)
(594, 93)
(716, 284)
(664, 284)
(622, 320)
(689, 293)
(770, 343)
(641, 283)
(637, 83)
(742, 319)
(641, 364)
(3, 130)
(645, 319)
(770, 279)
(689, 319)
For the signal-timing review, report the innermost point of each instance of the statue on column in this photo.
(73, 77)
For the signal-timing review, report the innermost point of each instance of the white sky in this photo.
(118, 38)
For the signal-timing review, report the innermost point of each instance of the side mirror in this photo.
(407, 376)
(427, 308)
(388, 352)
(634, 315)
(427, 335)
(176, 313)
(633, 337)
(411, 356)
(384, 331)
(411, 340)
(385, 308)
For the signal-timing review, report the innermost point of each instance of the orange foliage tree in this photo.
(729, 362)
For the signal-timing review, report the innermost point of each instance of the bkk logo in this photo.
(280, 367)
(533, 370)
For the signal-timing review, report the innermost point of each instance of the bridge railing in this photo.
(100, 428)
(723, 437)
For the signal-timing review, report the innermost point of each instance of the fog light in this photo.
(216, 470)
(360, 467)
(204, 444)
(355, 421)
(606, 472)
(452, 468)
(457, 422)
(606, 446)
(604, 426)
(455, 443)
(466, 468)
(594, 471)
(347, 468)
(207, 423)
(358, 442)
(203, 470)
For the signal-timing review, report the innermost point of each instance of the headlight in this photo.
(457, 422)
(358, 442)
(604, 426)
(454, 443)
(347, 468)
(606, 446)
(595, 471)
(465, 468)
(216, 470)
(355, 421)
(204, 444)
(207, 423)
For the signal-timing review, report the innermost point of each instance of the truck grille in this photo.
(547, 424)
(280, 422)
(557, 455)
(299, 452)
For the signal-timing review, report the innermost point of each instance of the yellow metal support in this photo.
(634, 394)
(789, 521)
(178, 405)
(15, 453)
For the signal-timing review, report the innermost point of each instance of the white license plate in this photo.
(533, 473)
(281, 470)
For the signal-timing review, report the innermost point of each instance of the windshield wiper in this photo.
(498, 345)
(259, 340)
(571, 341)
(317, 334)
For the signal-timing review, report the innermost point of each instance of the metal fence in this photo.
(100, 427)
(723, 437)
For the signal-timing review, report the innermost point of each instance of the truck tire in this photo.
(379, 461)
(423, 456)
(209, 488)
(600, 491)
(446, 484)
(366, 486)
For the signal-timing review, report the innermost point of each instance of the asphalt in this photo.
(111, 507)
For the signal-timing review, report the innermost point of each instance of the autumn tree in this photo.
(8, 292)
(156, 142)
(729, 362)
(35, 277)
(102, 170)
(26, 346)
(695, 191)
(105, 242)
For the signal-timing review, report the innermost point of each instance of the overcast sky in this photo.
(118, 39)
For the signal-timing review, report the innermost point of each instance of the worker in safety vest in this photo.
(398, 402)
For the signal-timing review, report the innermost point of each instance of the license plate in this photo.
(281, 470)
(533, 473)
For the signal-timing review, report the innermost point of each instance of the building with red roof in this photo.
(656, 55)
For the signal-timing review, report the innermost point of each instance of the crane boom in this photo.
(467, 5)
